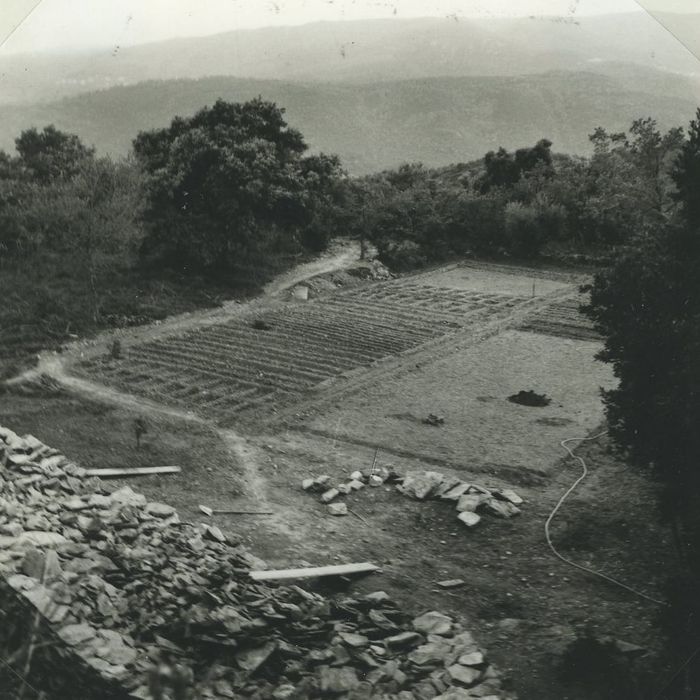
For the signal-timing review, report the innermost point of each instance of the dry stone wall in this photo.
(115, 597)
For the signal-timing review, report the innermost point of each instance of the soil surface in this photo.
(522, 603)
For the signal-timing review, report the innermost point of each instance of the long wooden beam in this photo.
(133, 471)
(314, 572)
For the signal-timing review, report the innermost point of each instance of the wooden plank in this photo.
(134, 471)
(314, 572)
(210, 511)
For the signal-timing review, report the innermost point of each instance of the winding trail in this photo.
(57, 366)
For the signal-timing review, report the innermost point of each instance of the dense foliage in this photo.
(227, 190)
(230, 185)
(648, 306)
(524, 204)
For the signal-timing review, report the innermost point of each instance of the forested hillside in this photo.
(377, 126)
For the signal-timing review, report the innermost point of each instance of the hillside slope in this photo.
(436, 121)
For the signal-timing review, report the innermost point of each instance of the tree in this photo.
(228, 184)
(504, 169)
(647, 304)
(686, 174)
(50, 154)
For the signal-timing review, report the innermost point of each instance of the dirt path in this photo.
(57, 367)
(340, 256)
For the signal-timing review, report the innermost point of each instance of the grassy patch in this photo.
(96, 435)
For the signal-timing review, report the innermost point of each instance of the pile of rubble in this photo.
(469, 499)
(146, 601)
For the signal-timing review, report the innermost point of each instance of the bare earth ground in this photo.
(469, 387)
(521, 602)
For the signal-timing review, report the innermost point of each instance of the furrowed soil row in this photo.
(189, 361)
(404, 321)
(324, 352)
(268, 366)
(563, 319)
(306, 346)
(232, 369)
(329, 326)
(318, 365)
(206, 395)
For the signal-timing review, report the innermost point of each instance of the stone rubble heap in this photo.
(129, 588)
(469, 499)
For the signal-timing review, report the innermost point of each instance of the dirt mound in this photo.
(530, 398)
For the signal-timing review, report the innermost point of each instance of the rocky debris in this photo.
(134, 591)
(434, 420)
(471, 500)
(337, 509)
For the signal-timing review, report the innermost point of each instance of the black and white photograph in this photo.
(349, 349)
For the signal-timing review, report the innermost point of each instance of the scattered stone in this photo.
(75, 503)
(214, 533)
(451, 583)
(629, 648)
(337, 680)
(40, 539)
(456, 492)
(432, 622)
(375, 480)
(470, 502)
(501, 509)
(337, 509)
(356, 485)
(465, 675)
(77, 634)
(475, 658)
(468, 518)
(252, 659)
(421, 485)
(431, 654)
(159, 510)
(507, 495)
(354, 640)
(329, 495)
(402, 640)
(448, 483)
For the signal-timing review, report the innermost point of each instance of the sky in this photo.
(61, 25)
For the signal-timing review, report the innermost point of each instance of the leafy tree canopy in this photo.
(50, 154)
(229, 182)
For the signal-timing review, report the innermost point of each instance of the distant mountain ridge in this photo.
(360, 52)
(379, 125)
(379, 92)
